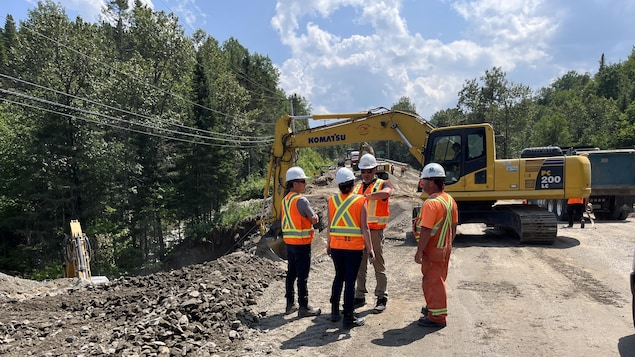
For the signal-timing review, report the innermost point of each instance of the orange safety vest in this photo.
(345, 213)
(441, 230)
(573, 201)
(378, 210)
(296, 229)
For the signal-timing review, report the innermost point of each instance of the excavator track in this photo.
(532, 224)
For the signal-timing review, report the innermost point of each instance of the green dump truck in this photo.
(612, 181)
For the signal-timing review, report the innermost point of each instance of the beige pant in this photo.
(377, 238)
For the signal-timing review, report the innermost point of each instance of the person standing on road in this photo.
(575, 209)
(439, 219)
(297, 221)
(347, 237)
(377, 192)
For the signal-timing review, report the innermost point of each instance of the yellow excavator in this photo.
(475, 178)
(77, 254)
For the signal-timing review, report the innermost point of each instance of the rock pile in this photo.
(204, 309)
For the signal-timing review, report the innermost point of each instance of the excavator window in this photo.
(448, 151)
(475, 145)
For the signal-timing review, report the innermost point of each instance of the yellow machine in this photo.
(475, 178)
(77, 256)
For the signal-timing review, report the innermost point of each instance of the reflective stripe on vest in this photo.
(444, 223)
(291, 229)
(378, 211)
(343, 224)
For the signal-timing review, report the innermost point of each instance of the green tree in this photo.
(500, 102)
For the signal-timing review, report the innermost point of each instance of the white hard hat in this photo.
(344, 175)
(295, 173)
(432, 170)
(367, 162)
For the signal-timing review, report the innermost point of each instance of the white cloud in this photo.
(90, 10)
(376, 67)
(190, 13)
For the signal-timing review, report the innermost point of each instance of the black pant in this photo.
(299, 264)
(346, 266)
(574, 211)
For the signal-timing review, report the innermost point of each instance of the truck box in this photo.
(612, 182)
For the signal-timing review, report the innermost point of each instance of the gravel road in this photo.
(571, 298)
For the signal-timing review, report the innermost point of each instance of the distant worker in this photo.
(575, 209)
(377, 192)
(403, 169)
(297, 221)
(392, 169)
(348, 237)
(439, 219)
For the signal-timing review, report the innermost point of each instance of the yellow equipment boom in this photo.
(77, 258)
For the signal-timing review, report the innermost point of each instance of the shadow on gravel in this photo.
(321, 333)
(271, 322)
(496, 238)
(626, 346)
(404, 336)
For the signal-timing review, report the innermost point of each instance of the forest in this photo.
(151, 138)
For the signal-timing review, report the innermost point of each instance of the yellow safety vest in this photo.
(345, 216)
(378, 210)
(296, 229)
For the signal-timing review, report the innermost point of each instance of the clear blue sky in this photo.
(354, 55)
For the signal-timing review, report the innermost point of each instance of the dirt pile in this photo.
(203, 309)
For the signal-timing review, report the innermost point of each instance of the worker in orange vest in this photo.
(377, 192)
(439, 220)
(348, 237)
(575, 208)
(297, 221)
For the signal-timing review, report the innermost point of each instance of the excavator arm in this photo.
(359, 127)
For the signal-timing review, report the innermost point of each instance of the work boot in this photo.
(291, 308)
(351, 320)
(335, 313)
(424, 322)
(381, 305)
(359, 302)
(307, 311)
(582, 223)
(424, 311)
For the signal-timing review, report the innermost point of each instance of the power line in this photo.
(45, 101)
(126, 128)
(134, 114)
(129, 75)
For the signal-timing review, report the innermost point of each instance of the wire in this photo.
(131, 113)
(130, 129)
(124, 120)
(129, 75)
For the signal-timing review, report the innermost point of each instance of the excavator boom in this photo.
(352, 128)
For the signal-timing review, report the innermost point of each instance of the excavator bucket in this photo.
(271, 245)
